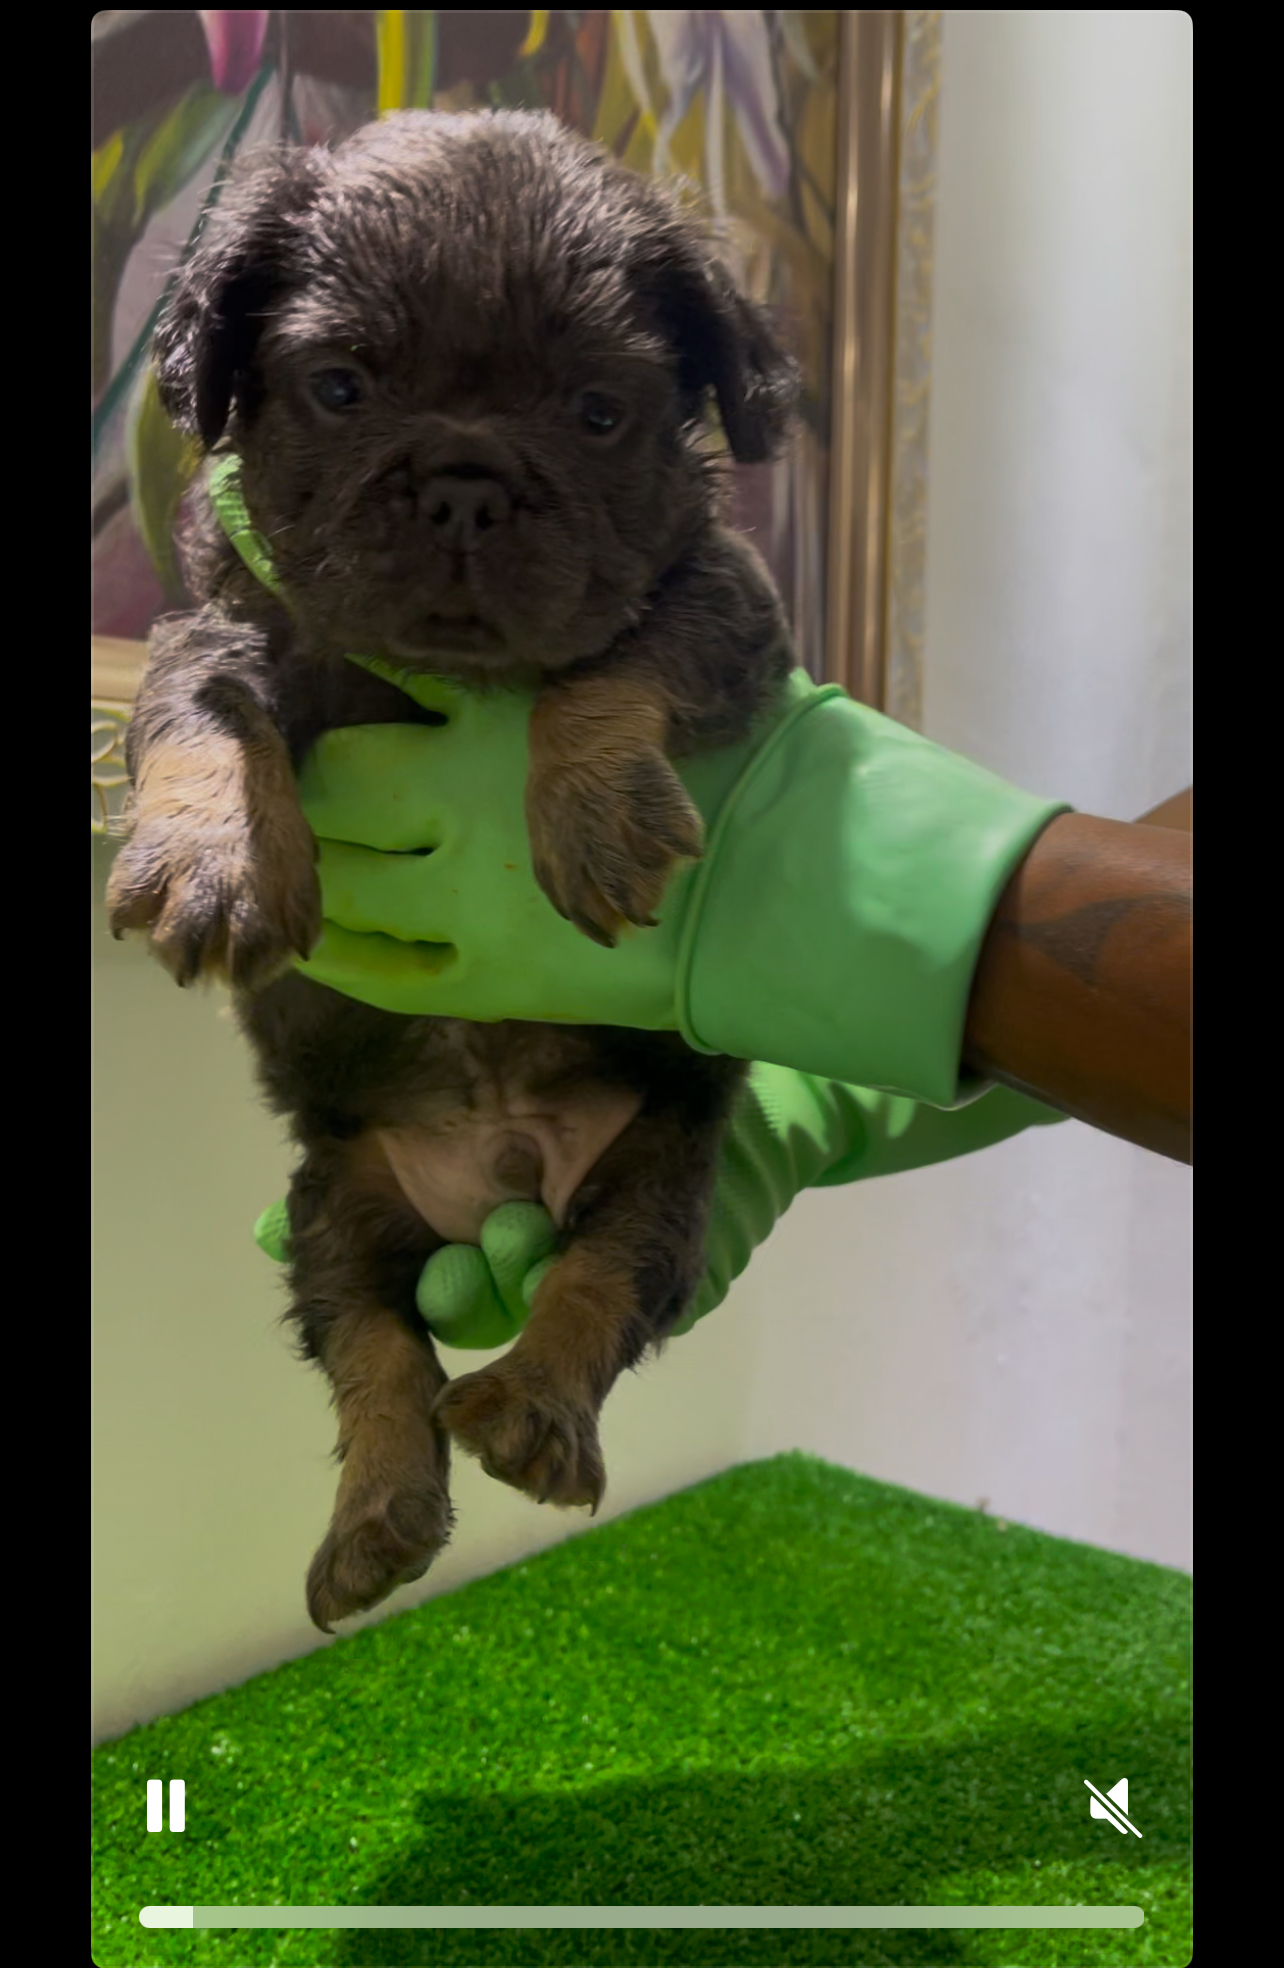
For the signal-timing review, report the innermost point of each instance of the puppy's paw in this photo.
(606, 833)
(378, 1540)
(524, 1432)
(220, 901)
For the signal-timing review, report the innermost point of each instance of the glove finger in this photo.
(457, 1297)
(379, 970)
(373, 893)
(454, 1285)
(272, 1233)
(515, 1237)
(373, 784)
(534, 1279)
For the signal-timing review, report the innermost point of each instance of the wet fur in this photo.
(478, 271)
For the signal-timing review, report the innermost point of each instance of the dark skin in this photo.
(1082, 996)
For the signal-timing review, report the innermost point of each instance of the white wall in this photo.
(1015, 1327)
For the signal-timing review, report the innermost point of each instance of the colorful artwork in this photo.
(741, 105)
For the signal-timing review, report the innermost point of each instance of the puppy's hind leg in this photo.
(357, 1252)
(633, 1254)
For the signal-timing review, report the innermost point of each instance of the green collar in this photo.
(229, 503)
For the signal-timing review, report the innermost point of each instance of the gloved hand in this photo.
(850, 873)
(789, 1132)
(465, 931)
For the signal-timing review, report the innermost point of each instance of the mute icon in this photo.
(1113, 1806)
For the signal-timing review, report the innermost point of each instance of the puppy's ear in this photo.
(213, 317)
(725, 343)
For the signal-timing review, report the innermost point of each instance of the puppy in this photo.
(467, 364)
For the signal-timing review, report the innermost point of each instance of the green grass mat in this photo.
(789, 1685)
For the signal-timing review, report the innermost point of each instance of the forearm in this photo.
(1082, 994)
(1178, 812)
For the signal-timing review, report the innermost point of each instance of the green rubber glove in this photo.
(790, 1131)
(465, 931)
(834, 924)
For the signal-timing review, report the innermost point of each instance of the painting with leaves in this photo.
(739, 105)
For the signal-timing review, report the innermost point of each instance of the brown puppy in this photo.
(466, 363)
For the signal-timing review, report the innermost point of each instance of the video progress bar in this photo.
(565, 1917)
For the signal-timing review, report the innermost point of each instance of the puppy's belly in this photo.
(456, 1174)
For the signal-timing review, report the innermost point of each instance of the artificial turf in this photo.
(788, 1685)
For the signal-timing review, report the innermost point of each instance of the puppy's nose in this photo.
(461, 510)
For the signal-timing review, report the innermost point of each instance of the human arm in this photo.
(1082, 995)
(1177, 812)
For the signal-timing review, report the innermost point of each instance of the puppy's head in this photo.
(467, 362)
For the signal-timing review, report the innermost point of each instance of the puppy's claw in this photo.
(219, 907)
(590, 929)
(186, 970)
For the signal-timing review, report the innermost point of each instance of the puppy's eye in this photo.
(600, 415)
(336, 389)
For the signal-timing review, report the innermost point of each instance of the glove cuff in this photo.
(836, 920)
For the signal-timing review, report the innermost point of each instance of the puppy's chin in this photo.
(457, 638)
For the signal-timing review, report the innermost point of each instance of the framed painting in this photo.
(809, 136)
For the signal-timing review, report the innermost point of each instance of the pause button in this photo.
(177, 1805)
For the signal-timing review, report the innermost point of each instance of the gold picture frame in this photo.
(890, 63)
(888, 84)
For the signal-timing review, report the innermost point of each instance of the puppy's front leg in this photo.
(634, 1255)
(357, 1252)
(606, 813)
(220, 863)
